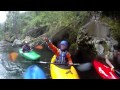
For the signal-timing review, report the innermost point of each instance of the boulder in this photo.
(96, 34)
(17, 42)
(37, 31)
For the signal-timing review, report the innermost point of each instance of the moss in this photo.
(114, 27)
(9, 37)
(12, 38)
(72, 36)
(73, 48)
(94, 51)
(106, 49)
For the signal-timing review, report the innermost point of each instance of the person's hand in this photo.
(46, 39)
(70, 64)
(112, 68)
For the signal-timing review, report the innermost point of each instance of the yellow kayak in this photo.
(61, 73)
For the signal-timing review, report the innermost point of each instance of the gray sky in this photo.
(3, 15)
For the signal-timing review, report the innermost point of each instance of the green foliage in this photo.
(114, 26)
(73, 48)
(21, 23)
(1, 31)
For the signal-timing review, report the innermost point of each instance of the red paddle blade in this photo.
(39, 47)
(13, 56)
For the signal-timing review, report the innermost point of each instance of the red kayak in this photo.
(104, 71)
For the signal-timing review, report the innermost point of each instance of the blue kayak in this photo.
(34, 72)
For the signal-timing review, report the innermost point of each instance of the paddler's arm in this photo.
(108, 62)
(69, 59)
(51, 46)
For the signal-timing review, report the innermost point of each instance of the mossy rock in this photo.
(12, 38)
(73, 48)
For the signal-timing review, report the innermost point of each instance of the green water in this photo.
(15, 70)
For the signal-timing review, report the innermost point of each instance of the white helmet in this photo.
(26, 41)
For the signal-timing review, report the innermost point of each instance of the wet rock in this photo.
(37, 31)
(64, 33)
(4, 43)
(17, 42)
(100, 38)
(99, 48)
(118, 59)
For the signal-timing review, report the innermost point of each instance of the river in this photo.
(15, 70)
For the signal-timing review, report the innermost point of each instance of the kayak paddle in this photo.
(56, 63)
(13, 56)
(80, 67)
(84, 67)
(39, 47)
(117, 72)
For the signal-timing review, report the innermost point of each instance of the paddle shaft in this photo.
(117, 72)
(80, 67)
(42, 43)
(57, 63)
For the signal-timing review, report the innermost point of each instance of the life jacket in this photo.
(62, 57)
(26, 48)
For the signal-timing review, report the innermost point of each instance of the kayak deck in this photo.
(60, 73)
(34, 72)
(31, 55)
(104, 71)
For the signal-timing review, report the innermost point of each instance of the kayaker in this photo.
(26, 47)
(108, 62)
(115, 63)
(62, 55)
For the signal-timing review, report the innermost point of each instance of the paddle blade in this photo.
(39, 47)
(84, 67)
(117, 72)
(13, 56)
